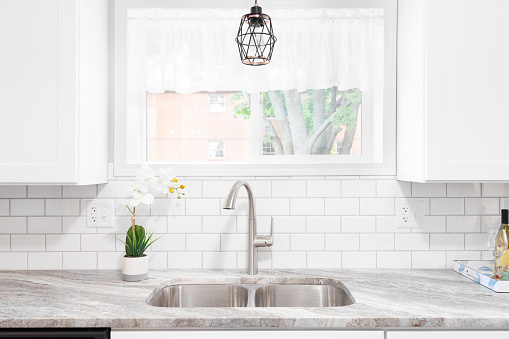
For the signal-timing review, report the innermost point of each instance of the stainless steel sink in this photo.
(321, 293)
(301, 296)
(201, 296)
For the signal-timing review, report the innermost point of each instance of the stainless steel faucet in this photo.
(255, 240)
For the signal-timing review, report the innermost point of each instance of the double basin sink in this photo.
(251, 295)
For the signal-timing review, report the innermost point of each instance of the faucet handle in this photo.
(269, 239)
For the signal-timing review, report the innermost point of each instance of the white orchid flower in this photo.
(145, 198)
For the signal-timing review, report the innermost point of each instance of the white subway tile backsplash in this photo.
(27, 243)
(342, 206)
(5, 243)
(219, 260)
(307, 242)
(13, 225)
(13, 261)
(109, 260)
(476, 241)
(216, 189)
(358, 188)
(376, 206)
(198, 207)
(375, 242)
(463, 224)
(184, 224)
(157, 260)
(364, 259)
(412, 242)
(4, 207)
(447, 241)
(44, 225)
(464, 190)
(342, 242)
(120, 207)
(323, 224)
(432, 224)
(172, 206)
(193, 189)
(281, 260)
(219, 224)
(113, 189)
(324, 188)
(97, 242)
(282, 224)
(203, 242)
(43, 191)
(281, 243)
(26, 207)
(394, 259)
(264, 260)
(307, 206)
(288, 188)
(393, 188)
(273, 206)
(495, 190)
(63, 207)
(233, 242)
(169, 243)
(320, 222)
(324, 259)
(389, 224)
(429, 259)
(482, 206)
(44, 261)
(185, 260)
(447, 206)
(428, 190)
(79, 261)
(13, 191)
(63, 243)
(76, 225)
(88, 191)
(461, 255)
(155, 224)
(358, 224)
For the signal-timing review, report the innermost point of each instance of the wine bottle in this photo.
(504, 227)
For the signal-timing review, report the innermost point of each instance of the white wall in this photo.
(320, 222)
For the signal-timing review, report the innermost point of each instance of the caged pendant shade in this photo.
(255, 37)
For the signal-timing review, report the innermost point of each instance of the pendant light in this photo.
(255, 37)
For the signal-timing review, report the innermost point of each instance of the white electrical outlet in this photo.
(411, 214)
(100, 213)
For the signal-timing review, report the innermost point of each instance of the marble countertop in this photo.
(384, 298)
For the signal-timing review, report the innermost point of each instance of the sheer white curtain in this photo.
(189, 50)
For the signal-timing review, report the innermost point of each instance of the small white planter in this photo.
(135, 268)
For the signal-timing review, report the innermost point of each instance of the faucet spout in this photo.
(255, 240)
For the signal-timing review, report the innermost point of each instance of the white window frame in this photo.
(224, 103)
(224, 150)
(265, 165)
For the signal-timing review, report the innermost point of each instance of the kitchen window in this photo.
(327, 98)
(216, 150)
(216, 103)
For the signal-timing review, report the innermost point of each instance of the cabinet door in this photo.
(467, 71)
(248, 334)
(37, 91)
(424, 334)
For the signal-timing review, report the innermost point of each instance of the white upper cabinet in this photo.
(53, 91)
(453, 66)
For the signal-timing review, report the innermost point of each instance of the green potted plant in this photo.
(137, 240)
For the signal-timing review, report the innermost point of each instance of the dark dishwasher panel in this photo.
(61, 333)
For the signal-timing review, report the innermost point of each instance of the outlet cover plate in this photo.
(411, 214)
(100, 213)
